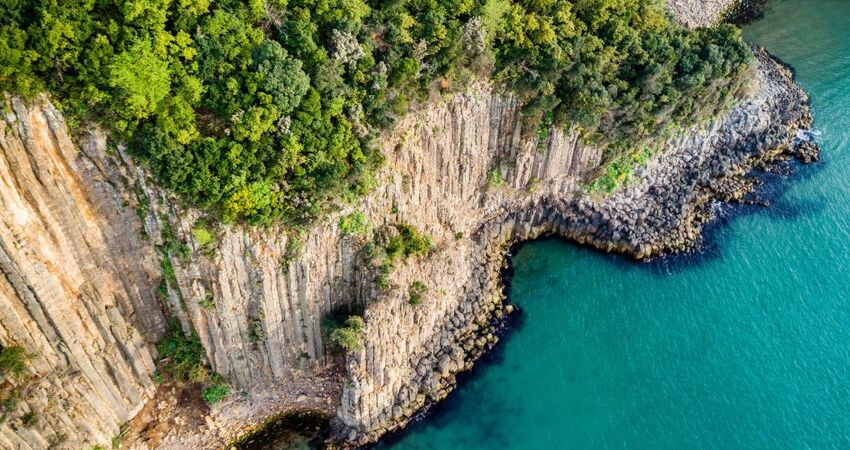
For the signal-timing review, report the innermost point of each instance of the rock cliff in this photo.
(77, 288)
(83, 239)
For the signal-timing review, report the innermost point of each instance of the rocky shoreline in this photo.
(661, 214)
(745, 11)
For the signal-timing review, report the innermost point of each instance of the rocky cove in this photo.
(80, 250)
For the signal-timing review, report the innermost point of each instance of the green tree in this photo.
(141, 80)
(349, 337)
(263, 110)
(280, 76)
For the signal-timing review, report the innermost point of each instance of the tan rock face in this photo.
(78, 247)
(79, 277)
(77, 288)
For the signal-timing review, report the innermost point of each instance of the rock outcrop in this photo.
(413, 352)
(82, 233)
(77, 288)
(703, 13)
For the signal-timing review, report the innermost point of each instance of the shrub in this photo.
(255, 331)
(354, 224)
(29, 419)
(384, 271)
(294, 245)
(203, 236)
(208, 301)
(13, 361)
(181, 356)
(416, 291)
(618, 172)
(181, 361)
(349, 337)
(9, 398)
(494, 178)
(407, 242)
(171, 246)
(215, 392)
(168, 273)
(393, 243)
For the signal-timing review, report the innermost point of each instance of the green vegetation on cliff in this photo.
(181, 360)
(13, 361)
(264, 110)
(13, 365)
(346, 336)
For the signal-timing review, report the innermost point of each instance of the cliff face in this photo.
(77, 287)
(83, 229)
(81, 256)
(81, 250)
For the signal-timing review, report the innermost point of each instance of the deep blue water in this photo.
(745, 346)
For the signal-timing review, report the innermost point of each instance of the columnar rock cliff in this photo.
(83, 229)
(413, 352)
(81, 251)
(77, 288)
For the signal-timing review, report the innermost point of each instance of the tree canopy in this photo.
(263, 110)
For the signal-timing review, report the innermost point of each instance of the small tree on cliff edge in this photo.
(349, 337)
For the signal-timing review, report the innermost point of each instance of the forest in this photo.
(269, 111)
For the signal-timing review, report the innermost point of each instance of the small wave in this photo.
(720, 209)
(810, 135)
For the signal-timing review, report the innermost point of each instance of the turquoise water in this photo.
(746, 346)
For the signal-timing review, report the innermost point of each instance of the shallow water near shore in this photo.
(747, 346)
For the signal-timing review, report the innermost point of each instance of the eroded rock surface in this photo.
(77, 288)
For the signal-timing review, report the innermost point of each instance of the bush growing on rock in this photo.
(619, 171)
(203, 236)
(30, 418)
(215, 392)
(181, 360)
(9, 399)
(208, 302)
(494, 178)
(255, 333)
(416, 291)
(407, 242)
(13, 364)
(294, 246)
(181, 356)
(391, 244)
(349, 336)
(13, 361)
(354, 224)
